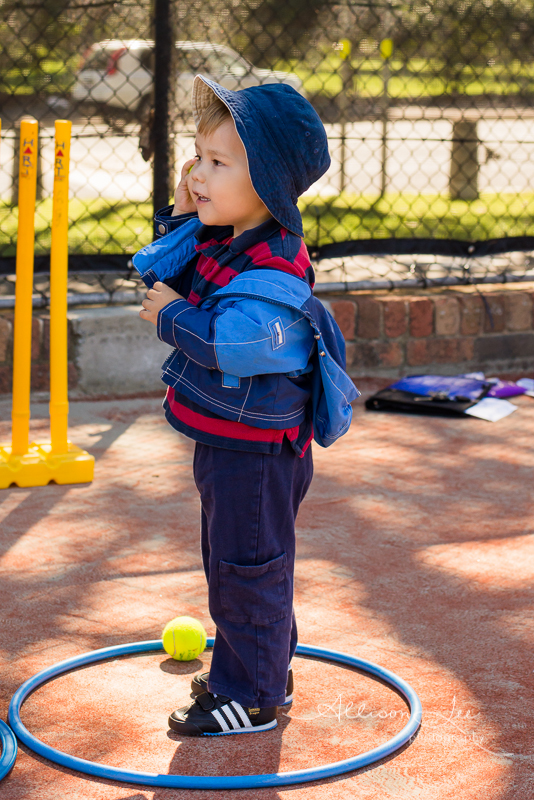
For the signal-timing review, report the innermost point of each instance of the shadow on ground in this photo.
(415, 552)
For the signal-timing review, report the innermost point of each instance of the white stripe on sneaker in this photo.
(244, 718)
(252, 729)
(220, 719)
(236, 725)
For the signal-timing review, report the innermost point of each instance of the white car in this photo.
(119, 73)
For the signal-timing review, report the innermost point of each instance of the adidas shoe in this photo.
(199, 684)
(216, 715)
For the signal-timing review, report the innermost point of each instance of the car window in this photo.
(227, 62)
(98, 59)
(192, 61)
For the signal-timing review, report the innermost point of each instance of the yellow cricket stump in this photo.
(37, 464)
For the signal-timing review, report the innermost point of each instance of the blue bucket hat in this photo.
(284, 139)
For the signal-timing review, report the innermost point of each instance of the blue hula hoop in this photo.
(9, 749)
(217, 782)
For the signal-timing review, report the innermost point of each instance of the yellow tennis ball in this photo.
(184, 638)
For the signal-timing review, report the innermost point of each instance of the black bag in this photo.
(430, 394)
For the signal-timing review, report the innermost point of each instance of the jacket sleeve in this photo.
(191, 329)
(171, 258)
(239, 336)
(165, 223)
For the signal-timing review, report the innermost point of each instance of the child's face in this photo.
(220, 184)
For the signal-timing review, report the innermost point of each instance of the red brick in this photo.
(345, 316)
(5, 379)
(447, 313)
(391, 354)
(350, 350)
(71, 341)
(5, 338)
(495, 303)
(36, 334)
(421, 317)
(37, 328)
(378, 354)
(40, 381)
(40, 376)
(439, 351)
(518, 307)
(73, 375)
(466, 348)
(45, 350)
(507, 347)
(395, 323)
(368, 318)
(45, 339)
(417, 353)
(471, 314)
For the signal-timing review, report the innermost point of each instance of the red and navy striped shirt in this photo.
(220, 258)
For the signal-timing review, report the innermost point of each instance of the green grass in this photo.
(412, 78)
(96, 226)
(352, 216)
(101, 226)
(405, 86)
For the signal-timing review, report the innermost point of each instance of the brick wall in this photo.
(40, 376)
(449, 332)
(387, 335)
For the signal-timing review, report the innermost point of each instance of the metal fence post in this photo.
(386, 51)
(386, 74)
(163, 79)
(343, 104)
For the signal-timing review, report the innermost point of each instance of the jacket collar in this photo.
(209, 235)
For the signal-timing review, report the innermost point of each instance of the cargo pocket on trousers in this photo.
(254, 594)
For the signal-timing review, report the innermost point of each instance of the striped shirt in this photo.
(220, 258)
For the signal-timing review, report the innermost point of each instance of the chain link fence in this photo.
(428, 106)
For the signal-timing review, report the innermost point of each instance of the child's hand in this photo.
(156, 299)
(183, 202)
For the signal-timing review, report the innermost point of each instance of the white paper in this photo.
(477, 376)
(528, 384)
(491, 409)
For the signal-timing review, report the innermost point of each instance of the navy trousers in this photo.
(249, 506)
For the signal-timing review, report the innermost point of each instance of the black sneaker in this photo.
(199, 684)
(216, 715)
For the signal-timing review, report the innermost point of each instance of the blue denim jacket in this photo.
(239, 352)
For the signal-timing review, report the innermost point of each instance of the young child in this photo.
(258, 371)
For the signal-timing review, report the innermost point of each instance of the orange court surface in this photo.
(415, 551)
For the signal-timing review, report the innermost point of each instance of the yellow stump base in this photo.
(39, 466)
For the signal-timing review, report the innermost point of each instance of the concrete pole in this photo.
(463, 184)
